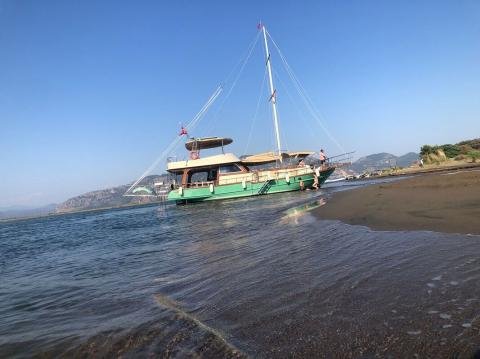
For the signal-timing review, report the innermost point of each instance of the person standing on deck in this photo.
(322, 156)
(315, 178)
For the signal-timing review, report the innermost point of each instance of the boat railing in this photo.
(342, 160)
(281, 173)
(237, 179)
(261, 175)
(200, 184)
(254, 176)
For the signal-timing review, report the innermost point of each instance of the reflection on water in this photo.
(297, 211)
(258, 277)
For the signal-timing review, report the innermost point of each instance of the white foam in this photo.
(414, 332)
(445, 316)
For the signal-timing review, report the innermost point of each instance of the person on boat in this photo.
(315, 181)
(322, 156)
(302, 163)
(302, 185)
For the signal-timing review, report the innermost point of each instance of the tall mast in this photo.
(273, 94)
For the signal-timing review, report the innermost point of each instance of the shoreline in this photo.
(49, 215)
(428, 169)
(399, 173)
(447, 202)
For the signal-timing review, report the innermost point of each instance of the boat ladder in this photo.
(266, 186)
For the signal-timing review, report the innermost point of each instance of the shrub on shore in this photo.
(451, 150)
(459, 151)
(474, 155)
(435, 157)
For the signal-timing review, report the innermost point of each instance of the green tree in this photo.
(451, 151)
(427, 149)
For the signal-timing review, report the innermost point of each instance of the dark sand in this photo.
(446, 202)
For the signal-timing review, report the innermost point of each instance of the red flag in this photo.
(274, 96)
(183, 131)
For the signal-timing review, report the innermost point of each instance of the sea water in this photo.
(259, 277)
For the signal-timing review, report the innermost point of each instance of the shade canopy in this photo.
(268, 157)
(196, 144)
(217, 160)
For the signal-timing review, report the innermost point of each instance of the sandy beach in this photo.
(446, 202)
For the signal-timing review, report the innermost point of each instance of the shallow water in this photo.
(232, 278)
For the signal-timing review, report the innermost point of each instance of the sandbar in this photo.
(445, 202)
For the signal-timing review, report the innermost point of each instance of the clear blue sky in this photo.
(92, 91)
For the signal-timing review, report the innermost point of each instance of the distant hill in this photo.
(110, 197)
(474, 144)
(383, 160)
(407, 159)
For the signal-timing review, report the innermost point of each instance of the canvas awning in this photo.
(196, 144)
(219, 160)
(268, 157)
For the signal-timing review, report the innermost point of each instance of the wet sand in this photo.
(446, 202)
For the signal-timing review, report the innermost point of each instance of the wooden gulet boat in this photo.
(226, 176)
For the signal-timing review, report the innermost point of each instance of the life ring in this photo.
(194, 155)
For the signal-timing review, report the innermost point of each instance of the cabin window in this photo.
(178, 178)
(230, 169)
(200, 176)
(212, 174)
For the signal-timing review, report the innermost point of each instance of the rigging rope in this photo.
(245, 61)
(174, 143)
(256, 111)
(190, 126)
(284, 87)
(303, 94)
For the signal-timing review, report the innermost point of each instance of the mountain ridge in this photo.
(381, 160)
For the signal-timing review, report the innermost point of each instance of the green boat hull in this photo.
(238, 190)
